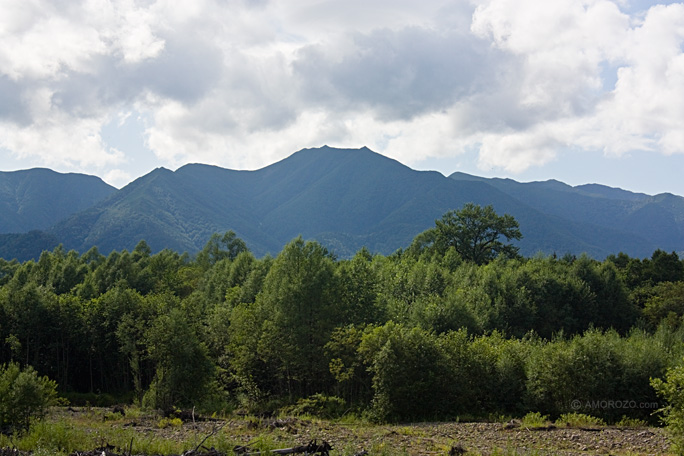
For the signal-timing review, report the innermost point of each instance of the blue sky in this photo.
(582, 91)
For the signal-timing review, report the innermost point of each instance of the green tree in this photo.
(108, 364)
(664, 267)
(249, 371)
(409, 373)
(666, 301)
(475, 233)
(353, 380)
(7, 269)
(24, 396)
(219, 247)
(358, 282)
(184, 371)
(672, 390)
(299, 297)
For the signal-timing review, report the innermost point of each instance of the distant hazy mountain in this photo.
(657, 220)
(347, 199)
(38, 198)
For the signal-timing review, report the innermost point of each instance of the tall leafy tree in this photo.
(475, 232)
(300, 298)
(219, 247)
(184, 371)
(358, 282)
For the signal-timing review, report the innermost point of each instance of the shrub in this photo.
(410, 375)
(23, 396)
(321, 405)
(170, 422)
(672, 390)
(579, 420)
(535, 420)
(627, 422)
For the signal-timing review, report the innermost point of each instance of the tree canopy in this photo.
(452, 326)
(475, 232)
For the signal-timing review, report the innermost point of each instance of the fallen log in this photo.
(312, 448)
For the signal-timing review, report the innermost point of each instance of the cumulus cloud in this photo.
(564, 48)
(395, 73)
(241, 83)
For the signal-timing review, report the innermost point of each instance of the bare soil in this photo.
(437, 438)
(403, 439)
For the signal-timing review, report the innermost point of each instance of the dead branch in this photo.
(312, 448)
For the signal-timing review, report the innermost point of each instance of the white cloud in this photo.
(117, 177)
(44, 43)
(564, 47)
(240, 82)
(62, 142)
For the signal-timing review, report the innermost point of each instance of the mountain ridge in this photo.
(351, 198)
(660, 216)
(35, 199)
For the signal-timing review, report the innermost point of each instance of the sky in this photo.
(582, 91)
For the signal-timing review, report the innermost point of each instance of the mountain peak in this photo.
(347, 199)
(38, 198)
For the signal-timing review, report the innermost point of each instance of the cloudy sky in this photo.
(575, 90)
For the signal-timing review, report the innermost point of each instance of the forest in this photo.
(434, 331)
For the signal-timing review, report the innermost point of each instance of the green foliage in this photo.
(416, 335)
(474, 232)
(184, 372)
(228, 246)
(588, 373)
(671, 389)
(320, 405)
(169, 422)
(578, 420)
(298, 302)
(24, 396)
(627, 422)
(358, 281)
(409, 372)
(534, 420)
(666, 302)
(353, 380)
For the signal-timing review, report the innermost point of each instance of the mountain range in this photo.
(344, 198)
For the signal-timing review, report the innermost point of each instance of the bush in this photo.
(24, 396)
(534, 420)
(170, 422)
(672, 390)
(321, 405)
(410, 375)
(578, 420)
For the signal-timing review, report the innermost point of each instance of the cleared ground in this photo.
(141, 433)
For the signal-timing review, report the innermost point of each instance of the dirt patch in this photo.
(442, 438)
(403, 439)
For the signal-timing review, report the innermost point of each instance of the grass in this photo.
(579, 420)
(627, 422)
(535, 420)
(63, 435)
(66, 431)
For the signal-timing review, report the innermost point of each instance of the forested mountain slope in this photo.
(346, 199)
(38, 198)
(658, 218)
(351, 198)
